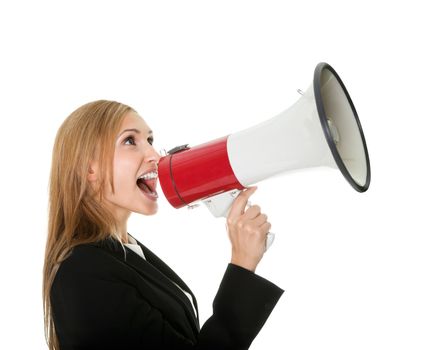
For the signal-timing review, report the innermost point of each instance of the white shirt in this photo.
(138, 250)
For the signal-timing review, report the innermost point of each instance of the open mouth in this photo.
(147, 184)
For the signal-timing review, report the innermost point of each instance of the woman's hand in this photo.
(247, 230)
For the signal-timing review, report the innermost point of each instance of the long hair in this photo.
(76, 212)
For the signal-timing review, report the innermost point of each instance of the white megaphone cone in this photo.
(321, 129)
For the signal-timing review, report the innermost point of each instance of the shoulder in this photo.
(91, 261)
(85, 255)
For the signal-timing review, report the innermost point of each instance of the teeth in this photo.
(150, 175)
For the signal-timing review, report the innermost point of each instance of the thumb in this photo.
(239, 204)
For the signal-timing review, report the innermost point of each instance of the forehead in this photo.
(134, 121)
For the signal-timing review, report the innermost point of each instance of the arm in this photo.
(244, 300)
(242, 304)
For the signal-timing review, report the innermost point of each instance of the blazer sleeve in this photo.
(93, 310)
(241, 306)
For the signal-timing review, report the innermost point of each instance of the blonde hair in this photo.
(76, 215)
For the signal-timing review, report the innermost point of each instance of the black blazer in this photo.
(106, 298)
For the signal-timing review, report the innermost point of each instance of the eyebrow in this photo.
(137, 131)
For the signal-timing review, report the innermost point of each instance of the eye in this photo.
(128, 139)
(150, 140)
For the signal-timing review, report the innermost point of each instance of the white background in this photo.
(360, 271)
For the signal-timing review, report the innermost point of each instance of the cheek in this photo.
(125, 171)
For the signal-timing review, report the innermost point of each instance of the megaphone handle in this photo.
(220, 204)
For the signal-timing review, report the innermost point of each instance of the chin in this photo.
(147, 212)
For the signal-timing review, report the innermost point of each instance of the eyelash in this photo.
(149, 139)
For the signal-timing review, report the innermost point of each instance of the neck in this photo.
(122, 220)
(124, 237)
(121, 215)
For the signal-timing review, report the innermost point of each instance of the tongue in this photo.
(144, 187)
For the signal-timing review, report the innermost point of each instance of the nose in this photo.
(152, 155)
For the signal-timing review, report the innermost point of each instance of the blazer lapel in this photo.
(152, 273)
(168, 272)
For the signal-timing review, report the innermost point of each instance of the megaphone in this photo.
(321, 128)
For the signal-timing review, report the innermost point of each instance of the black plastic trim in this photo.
(323, 118)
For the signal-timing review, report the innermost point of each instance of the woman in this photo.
(102, 288)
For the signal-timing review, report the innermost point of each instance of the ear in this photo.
(93, 171)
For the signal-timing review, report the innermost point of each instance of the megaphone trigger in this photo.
(269, 241)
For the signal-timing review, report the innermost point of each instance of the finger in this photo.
(265, 228)
(252, 212)
(239, 204)
(260, 220)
